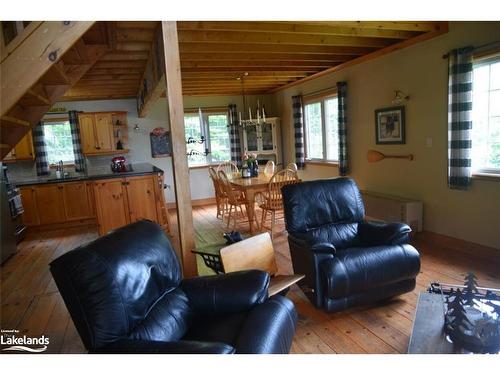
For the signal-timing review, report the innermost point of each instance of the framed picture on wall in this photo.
(390, 125)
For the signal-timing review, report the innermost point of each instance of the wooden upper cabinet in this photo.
(23, 150)
(87, 133)
(30, 214)
(111, 204)
(76, 201)
(104, 132)
(50, 205)
(96, 131)
(142, 198)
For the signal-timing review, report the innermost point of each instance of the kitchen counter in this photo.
(139, 169)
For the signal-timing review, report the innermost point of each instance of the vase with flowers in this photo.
(250, 165)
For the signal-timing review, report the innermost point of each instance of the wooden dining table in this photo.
(250, 186)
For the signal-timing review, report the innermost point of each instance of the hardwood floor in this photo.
(30, 301)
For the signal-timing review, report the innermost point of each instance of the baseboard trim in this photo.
(194, 203)
(456, 244)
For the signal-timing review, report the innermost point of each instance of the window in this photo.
(58, 142)
(215, 125)
(486, 116)
(321, 128)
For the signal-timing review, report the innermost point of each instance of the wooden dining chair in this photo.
(271, 200)
(228, 167)
(220, 195)
(269, 168)
(235, 199)
(292, 166)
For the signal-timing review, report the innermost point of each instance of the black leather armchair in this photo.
(347, 260)
(125, 294)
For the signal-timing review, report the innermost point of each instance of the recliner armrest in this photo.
(228, 293)
(376, 233)
(128, 346)
(318, 247)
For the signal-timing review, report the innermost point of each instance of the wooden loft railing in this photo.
(33, 76)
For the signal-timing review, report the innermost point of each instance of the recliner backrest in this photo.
(110, 285)
(324, 210)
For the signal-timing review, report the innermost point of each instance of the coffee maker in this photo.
(118, 164)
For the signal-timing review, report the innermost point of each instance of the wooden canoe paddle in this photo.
(374, 156)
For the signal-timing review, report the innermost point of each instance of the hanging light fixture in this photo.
(260, 113)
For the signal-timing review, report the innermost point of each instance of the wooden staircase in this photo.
(37, 67)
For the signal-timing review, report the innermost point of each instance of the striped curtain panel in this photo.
(342, 120)
(298, 124)
(234, 135)
(459, 117)
(77, 143)
(41, 161)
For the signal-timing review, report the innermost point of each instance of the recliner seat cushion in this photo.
(355, 270)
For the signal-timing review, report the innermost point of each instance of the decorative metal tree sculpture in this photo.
(472, 318)
(470, 288)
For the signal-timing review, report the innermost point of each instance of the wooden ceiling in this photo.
(118, 73)
(214, 53)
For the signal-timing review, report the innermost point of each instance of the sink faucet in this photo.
(61, 168)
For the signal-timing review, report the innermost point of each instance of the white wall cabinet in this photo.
(264, 140)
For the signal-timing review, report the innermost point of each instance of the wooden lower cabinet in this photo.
(141, 198)
(30, 214)
(49, 201)
(114, 202)
(111, 204)
(77, 201)
(57, 203)
(123, 201)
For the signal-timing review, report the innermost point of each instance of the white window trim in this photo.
(208, 158)
(487, 173)
(321, 100)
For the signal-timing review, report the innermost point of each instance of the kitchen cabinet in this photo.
(57, 203)
(30, 214)
(264, 140)
(50, 204)
(111, 204)
(125, 200)
(23, 150)
(77, 201)
(141, 198)
(98, 133)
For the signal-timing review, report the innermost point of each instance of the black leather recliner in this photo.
(125, 294)
(347, 260)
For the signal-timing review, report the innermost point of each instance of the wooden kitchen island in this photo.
(108, 199)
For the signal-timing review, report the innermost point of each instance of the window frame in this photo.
(55, 121)
(478, 62)
(312, 100)
(205, 114)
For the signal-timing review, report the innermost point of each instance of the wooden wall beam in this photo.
(179, 158)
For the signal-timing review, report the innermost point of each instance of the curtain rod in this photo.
(323, 91)
(478, 48)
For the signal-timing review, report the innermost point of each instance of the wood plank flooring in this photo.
(31, 303)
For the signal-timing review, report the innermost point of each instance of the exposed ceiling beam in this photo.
(295, 28)
(264, 56)
(277, 38)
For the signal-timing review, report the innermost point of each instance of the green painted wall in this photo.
(421, 72)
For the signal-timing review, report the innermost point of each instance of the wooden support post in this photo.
(179, 157)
